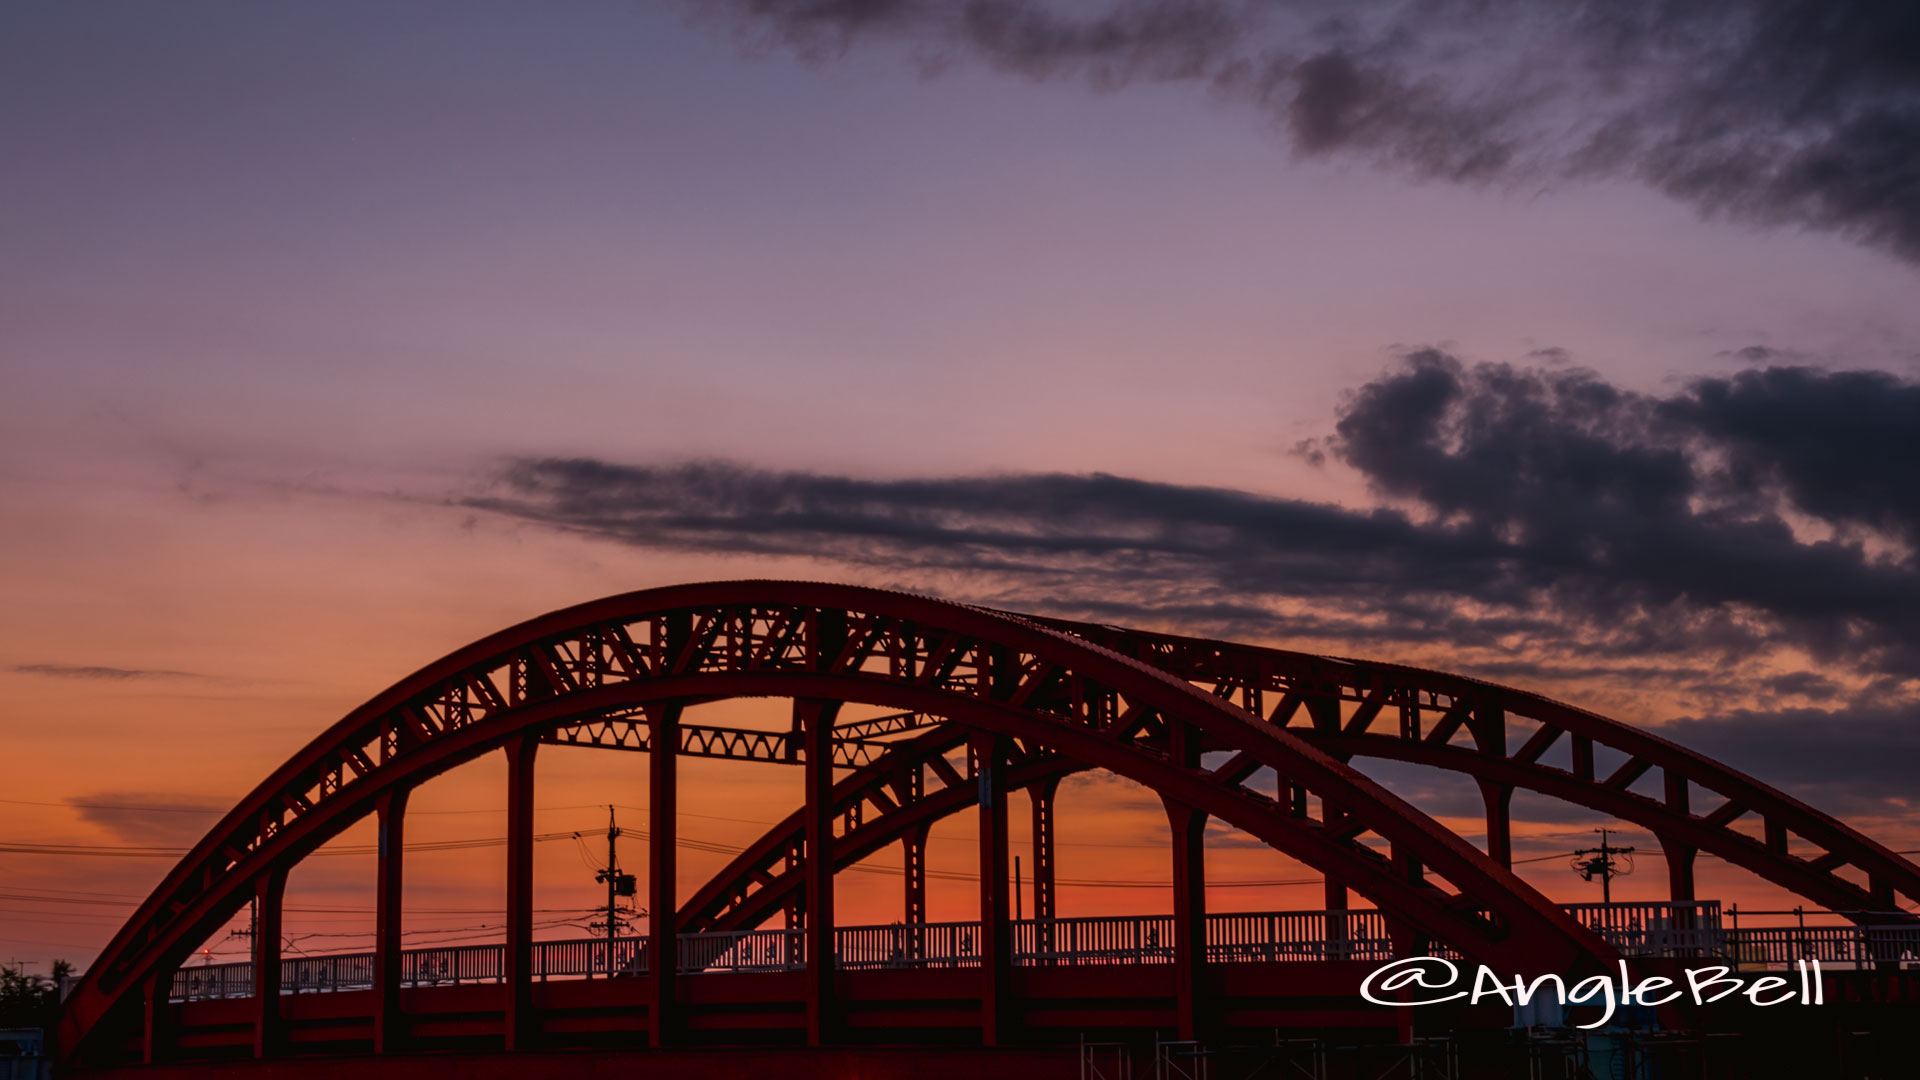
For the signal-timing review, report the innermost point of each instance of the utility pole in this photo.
(617, 883)
(1602, 865)
(253, 923)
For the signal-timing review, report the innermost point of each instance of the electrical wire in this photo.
(147, 852)
(215, 810)
(945, 875)
(713, 847)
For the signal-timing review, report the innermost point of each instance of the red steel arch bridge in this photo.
(976, 705)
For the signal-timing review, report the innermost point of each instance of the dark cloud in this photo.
(1106, 543)
(1761, 354)
(98, 672)
(1623, 504)
(1536, 515)
(1331, 103)
(1167, 39)
(818, 26)
(150, 818)
(1798, 112)
(1806, 684)
(1841, 446)
(1856, 759)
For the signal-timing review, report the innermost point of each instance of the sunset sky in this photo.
(1574, 351)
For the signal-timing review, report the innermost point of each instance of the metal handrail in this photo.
(1691, 929)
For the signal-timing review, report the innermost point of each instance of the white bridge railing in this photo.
(1638, 929)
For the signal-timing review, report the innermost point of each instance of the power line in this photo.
(144, 852)
(692, 843)
(55, 898)
(217, 810)
(136, 851)
(118, 806)
(55, 944)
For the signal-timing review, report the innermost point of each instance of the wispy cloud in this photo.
(100, 672)
(145, 817)
(1796, 112)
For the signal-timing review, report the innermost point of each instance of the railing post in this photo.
(269, 890)
(663, 815)
(518, 966)
(390, 814)
(815, 720)
(990, 755)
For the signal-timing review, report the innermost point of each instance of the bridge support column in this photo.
(390, 815)
(815, 720)
(915, 905)
(518, 971)
(154, 990)
(1488, 725)
(1679, 870)
(795, 909)
(1407, 940)
(1679, 855)
(1334, 894)
(1189, 828)
(913, 862)
(1499, 802)
(1335, 900)
(1042, 795)
(663, 816)
(269, 894)
(996, 930)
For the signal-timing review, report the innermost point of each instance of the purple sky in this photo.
(297, 301)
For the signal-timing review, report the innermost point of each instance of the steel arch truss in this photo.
(1352, 708)
(1359, 709)
(1029, 700)
(1010, 681)
(895, 797)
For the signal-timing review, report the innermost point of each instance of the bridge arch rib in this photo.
(1018, 683)
(1045, 698)
(889, 807)
(1340, 705)
(1461, 724)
